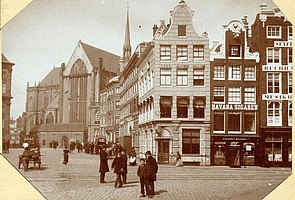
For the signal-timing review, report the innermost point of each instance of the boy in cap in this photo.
(143, 173)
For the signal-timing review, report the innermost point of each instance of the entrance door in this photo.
(163, 151)
(234, 154)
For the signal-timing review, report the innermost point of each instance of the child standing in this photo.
(66, 156)
(143, 173)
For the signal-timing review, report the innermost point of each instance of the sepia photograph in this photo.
(134, 99)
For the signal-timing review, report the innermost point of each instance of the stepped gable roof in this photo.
(52, 78)
(62, 128)
(110, 60)
(5, 60)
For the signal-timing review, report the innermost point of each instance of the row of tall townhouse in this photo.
(228, 105)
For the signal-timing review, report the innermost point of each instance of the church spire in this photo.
(127, 46)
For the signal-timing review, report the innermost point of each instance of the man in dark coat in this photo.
(124, 161)
(103, 165)
(153, 168)
(117, 165)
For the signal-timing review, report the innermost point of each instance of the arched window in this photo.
(78, 92)
(31, 103)
(50, 119)
(45, 100)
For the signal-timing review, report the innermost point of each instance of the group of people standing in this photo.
(146, 171)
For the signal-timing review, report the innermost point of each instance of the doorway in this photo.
(163, 151)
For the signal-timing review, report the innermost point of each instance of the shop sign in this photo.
(277, 68)
(287, 97)
(248, 147)
(235, 138)
(234, 144)
(234, 106)
(282, 44)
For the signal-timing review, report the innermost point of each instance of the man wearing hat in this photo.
(103, 164)
(153, 168)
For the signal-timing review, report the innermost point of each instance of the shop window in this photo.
(198, 77)
(234, 95)
(249, 153)
(198, 52)
(234, 50)
(250, 95)
(182, 107)
(219, 153)
(181, 53)
(165, 52)
(219, 72)
(273, 55)
(274, 113)
(273, 31)
(290, 113)
(290, 83)
(190, 141)
(290, 56)
(250, 122)
(234, 73)
(182, 77)
(273, 148)
(219, 94)
(165, 107)
(290, 33)
(234, 122)
(181, 30)
(165, 76)
(199, 107)
(219, 121)
(250, 73)
(273, 82)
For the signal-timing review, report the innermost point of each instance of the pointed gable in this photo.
(110, 61)
(5, 60)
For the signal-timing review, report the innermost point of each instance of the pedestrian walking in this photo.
(153, 168)
(178, 160)
(103, 168)
(132, 157)
(124, 161)
(144, 174)
(66, 155)
(117, 165)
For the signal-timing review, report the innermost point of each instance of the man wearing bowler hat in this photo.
(153, 168)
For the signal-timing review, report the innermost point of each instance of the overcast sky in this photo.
(46, 32)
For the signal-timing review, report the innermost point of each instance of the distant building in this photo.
(64, 105)
(15, 134)
(6, 101)
(174, 91)
(234, 98)
(272, 38)
(109, 116)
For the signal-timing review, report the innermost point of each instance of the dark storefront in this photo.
(234, 151)
(276, 144)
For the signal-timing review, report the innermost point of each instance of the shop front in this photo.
(234, 151)
(276, 145)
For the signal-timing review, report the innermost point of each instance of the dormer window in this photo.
(273, 32)
(181, 30)
(234, 51)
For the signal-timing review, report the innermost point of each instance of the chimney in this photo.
(155, 28)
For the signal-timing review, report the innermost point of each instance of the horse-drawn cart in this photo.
(34, 157)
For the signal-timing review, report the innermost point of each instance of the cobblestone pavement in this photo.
(80, 179)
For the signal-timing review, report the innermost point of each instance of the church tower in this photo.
(127, 46)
